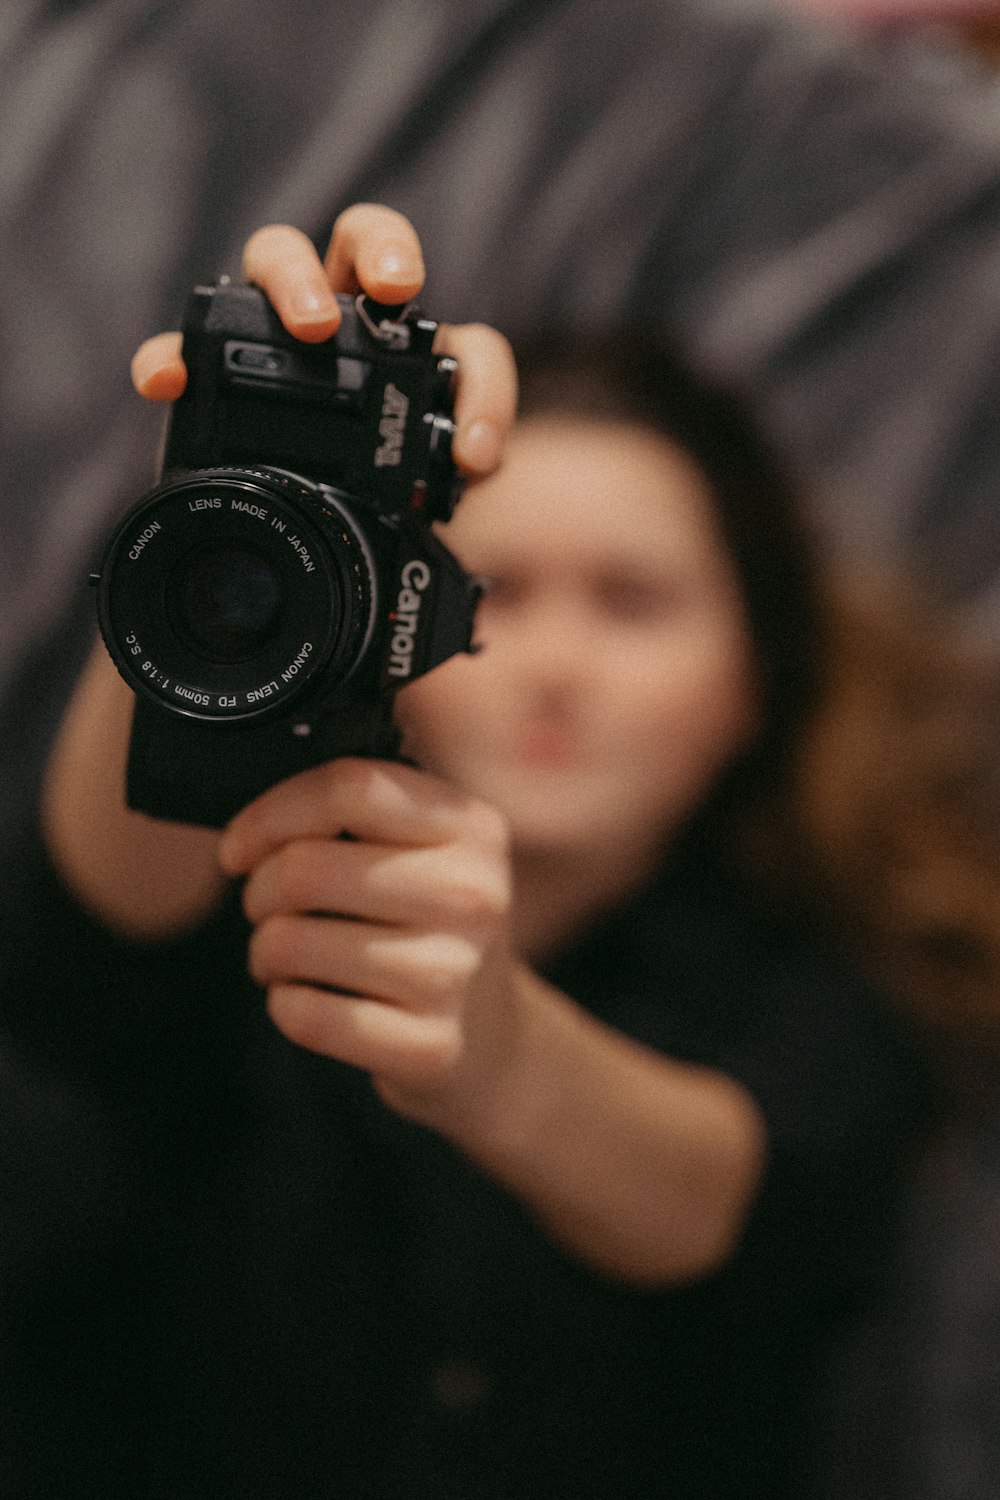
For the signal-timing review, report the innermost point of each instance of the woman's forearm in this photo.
(142, 877)
(644, 1167)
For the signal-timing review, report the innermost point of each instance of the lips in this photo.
(548, 747)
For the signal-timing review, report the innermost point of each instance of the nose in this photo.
(550, 643)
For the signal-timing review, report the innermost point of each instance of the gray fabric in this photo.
(816, 220)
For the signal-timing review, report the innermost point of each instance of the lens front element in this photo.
(225, 601)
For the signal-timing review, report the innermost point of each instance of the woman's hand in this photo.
(386, 948)
(150, 879)
(375, 250)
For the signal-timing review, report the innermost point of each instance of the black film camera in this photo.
(269, 596)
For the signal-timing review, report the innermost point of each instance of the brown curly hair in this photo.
(889, 812)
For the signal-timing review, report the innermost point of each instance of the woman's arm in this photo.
(147, 878)
(141, 877)
(645, 1167)
(390, 951)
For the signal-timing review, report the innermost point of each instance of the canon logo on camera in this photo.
(414, 578)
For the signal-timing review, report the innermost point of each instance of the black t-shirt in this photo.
(263, 1283)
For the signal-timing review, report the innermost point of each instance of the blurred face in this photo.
(616, 679)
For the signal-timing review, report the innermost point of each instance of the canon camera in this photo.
(267, 599)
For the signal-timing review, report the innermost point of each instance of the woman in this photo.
(635, 1126)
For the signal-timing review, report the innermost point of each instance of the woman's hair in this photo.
(864, 802)
(890, 817)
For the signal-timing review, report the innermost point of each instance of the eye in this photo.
(502, 590)
(632, 597)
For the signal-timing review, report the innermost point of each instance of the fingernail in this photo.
(312, 304)
(391, 265)
(399, 266)
(156, 380)
(479, 446)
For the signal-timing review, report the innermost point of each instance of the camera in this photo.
(270, 595)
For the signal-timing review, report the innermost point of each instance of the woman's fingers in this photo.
(420, 970)
(415, 1050)
(158, 372)
(372, 249)
(376, 250)
(283, 262)
(382, 1000)
(374, 801)
(463, 884)
(486, 394)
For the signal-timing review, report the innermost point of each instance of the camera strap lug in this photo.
(392, 328)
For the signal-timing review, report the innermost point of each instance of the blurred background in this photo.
(807, 197)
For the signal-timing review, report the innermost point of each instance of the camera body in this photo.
(271, 594)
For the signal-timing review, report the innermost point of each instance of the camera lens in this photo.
(225, 602)
(224, 594)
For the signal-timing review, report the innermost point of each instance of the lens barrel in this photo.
(224, 594)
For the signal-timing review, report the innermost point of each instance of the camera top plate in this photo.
(366, 412)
